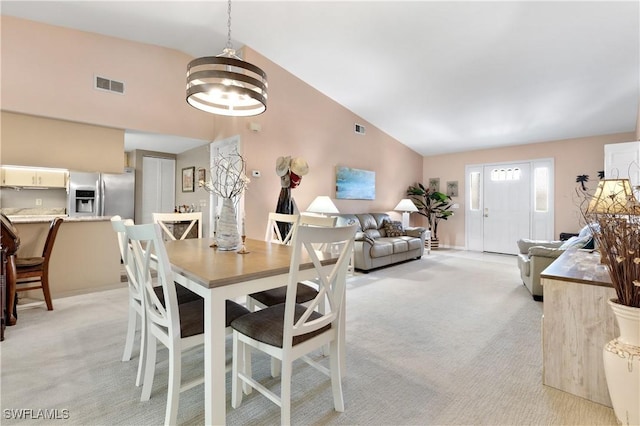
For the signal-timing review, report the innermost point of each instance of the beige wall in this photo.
(572, 157)
(48, 71)
(43, 142)
(302, 122)
(299, 121)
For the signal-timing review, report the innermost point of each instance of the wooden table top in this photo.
(210, 267)
(580, 266)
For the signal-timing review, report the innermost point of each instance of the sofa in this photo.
(534, 256)
(381, 241)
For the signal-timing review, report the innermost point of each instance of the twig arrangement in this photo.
(228, 178)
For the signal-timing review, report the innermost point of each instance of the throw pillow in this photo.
(576, 242)
(393, 229)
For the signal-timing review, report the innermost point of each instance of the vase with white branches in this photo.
(228, 181)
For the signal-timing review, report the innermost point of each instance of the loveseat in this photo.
(534, 256)
(381, 241)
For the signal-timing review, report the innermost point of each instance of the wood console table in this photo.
(576, 324)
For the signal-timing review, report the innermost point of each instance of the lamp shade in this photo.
(406, 205)
(322, 204)
(613, 196)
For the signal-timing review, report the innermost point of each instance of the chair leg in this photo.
(335, 363)
(150, 366)
(45, 290)
(173, 393)
(285, 391)
(142, 357)
(131, 334)
(275, 367)
(239, 351)
(251, 306)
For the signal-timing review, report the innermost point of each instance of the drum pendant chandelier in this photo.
(225, 84)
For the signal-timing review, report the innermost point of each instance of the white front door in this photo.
(507, 206)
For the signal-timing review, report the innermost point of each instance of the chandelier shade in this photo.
(225, 84)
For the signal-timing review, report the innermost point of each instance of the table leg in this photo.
(214, 360)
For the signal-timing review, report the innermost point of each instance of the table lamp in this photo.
(407, 207)
(323, 205)
(612, 196)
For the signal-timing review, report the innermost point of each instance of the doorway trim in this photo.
(542, 211)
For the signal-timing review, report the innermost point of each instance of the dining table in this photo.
(218, 275)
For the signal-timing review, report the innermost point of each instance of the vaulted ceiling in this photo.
(437, 76)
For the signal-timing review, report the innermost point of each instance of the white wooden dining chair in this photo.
(273, 233)
(180, 327)
(166, 219)
(136, 299)
(290, 330)
(136, 309)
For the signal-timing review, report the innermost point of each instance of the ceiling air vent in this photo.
(102, 83)
(359, 129)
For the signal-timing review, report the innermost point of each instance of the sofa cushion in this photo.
(381, 248)
(393, 228)
(367, 221)
(545, 251)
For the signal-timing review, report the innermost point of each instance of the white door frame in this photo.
(541, 216)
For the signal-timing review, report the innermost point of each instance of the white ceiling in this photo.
(438, 76)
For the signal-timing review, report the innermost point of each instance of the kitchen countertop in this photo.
(43, 218)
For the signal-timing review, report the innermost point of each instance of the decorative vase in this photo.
(227, 236)
(621, 358)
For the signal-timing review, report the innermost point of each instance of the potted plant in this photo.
(613, 214)
(433, 205)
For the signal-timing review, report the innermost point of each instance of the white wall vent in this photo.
(103, 83)
(359, 129)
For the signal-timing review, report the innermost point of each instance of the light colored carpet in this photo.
(453, 338)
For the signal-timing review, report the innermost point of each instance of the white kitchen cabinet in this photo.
(622, 160)
(34, 177)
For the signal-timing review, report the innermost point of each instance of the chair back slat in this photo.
(331, 279)
(126, 253)
(327, 221)
(273, 233)
(51, 238)
(194, 219)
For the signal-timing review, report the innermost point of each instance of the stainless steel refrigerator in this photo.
(102, 194)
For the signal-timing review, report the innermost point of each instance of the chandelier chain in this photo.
(229, 25)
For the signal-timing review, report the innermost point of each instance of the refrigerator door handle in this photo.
(102, 187)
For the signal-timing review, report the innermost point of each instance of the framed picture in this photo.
(434, 184)
(452, 188)
(355, 184)
(202, 175)
(187, 179)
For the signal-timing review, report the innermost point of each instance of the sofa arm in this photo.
(524, 244)
(545, 251)
(361, 236)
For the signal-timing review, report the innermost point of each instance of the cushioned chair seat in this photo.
(192, 316)
(278, 295)
(184, 294)
(266, 325)
(29, 262)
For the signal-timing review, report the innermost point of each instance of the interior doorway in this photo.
(508, 201)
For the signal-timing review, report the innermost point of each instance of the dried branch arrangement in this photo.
(228, 178)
